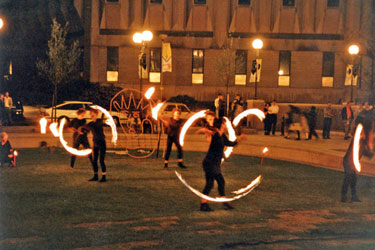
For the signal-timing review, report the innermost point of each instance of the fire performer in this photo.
(99, 149)
(77, 125)
(212, 161)
(174, 125)
(365, 148)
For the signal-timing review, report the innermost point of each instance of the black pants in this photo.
(99, 152)
(327, 127)
(210, 177)
(170, 141)
(81, 140)
(273, 121)
(312, 132)
(350, 179)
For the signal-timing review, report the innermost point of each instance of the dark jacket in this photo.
(5, 150)
(344, 115)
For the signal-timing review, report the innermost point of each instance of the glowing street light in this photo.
(142, 39)
(147, 35)
(1, 23)
(137, 37)
(257, 45)
(353, 51)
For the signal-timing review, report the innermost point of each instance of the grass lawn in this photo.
(44, 205)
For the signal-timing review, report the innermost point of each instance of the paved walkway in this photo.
(320, 153)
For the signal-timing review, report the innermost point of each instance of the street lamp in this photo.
(1, 23)
(142, 39)
(257, 45)
(353, 51)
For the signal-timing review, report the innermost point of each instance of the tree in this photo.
(62, 62)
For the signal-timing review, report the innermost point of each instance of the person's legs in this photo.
(329, 123)
(179, 152)
(168, 151)
(325, 128)
(274, 122)
(76, 144)
(102, 152)
(95, 163)
(209, 185)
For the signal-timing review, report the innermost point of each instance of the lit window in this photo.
(112, 64)
(243, 2)
(328, 69)
(197, 67)
(240, 67)
(288, 2)
(155, 64)
(284, 68)
(199, 1)
(333, 3)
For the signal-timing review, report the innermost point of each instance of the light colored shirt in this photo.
(273, 109)
(8, 102)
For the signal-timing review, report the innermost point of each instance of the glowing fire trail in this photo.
(241, 192)
(68, 148)
(356, 142)
(43, 125)
(189, 122)
(110, 122)
(265, 150)
(155, 110)
(54, 130)
(232, 137)
(247, 112)
(149, 93)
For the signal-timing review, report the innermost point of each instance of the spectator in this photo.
(237, 108)
(273, 111)
(311, 119)
(365, 117)
(347, 118)
(6, 154)
(1, 109)
(327, 121)
(293, 121)
(267, 119)
(8, 104)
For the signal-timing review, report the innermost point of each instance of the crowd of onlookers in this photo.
(299, 123)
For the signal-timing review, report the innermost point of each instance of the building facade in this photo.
(304, 57)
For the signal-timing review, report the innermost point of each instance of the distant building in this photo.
(304, 57)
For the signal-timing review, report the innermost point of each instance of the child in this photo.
(6, 154)
(99, 150)
(77, 125)
(212, 161)
(174, 125)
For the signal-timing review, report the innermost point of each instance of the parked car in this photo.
(167, 108)
(68, 110)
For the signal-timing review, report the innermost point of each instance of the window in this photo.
(156, 1)
(288, 3)
(71, 107)
(197, 67)
(333, 3)
(199, 1)
(328, 69)
(183, 108)
(155, 64)
(243, 2)
(284, 68)
(112, 64)
(240, 67)
(113, 1)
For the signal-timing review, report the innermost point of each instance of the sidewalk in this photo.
(320, 153)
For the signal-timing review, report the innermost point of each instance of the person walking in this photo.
(273, 111)
(99, 145)
(311, 120)
(78, 126)
(8, 104)
(327, 121)
(347, 118)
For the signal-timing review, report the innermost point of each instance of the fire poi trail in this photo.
(356, 142)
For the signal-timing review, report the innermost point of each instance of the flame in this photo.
(68, 148)
(356, 141)
(241, 193)
(110, 122)
(189, 122)
(54, 130)
(15, 153)
(232, 137)
(155, 110)
(43, 125)
(149, 93)
(247, 112)
(265, 150)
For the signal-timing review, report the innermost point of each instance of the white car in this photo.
(167, 108)
(68, 110)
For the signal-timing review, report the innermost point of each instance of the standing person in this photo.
(8, 104)
(100, 147)
(347, 118)
(217, 104)
(174, 125)
(78, 126)
(311, 120)
(6, 154)
(237, 108)
(273, 111)
(267, 119)
(327, 121)
(1, 109)
(212, 161)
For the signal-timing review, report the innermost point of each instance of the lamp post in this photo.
(353, 51)
(257, 45)
(142, 39)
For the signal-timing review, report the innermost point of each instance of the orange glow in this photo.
(265, 150)
(232, 137)
(110, 122)
(257, 112)
(240, 193)
(43, 125)
(15, 153)
(356, 141)
(189, 122)
(71, 150)
(155, 110)
(149, 93)
(54, 130)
